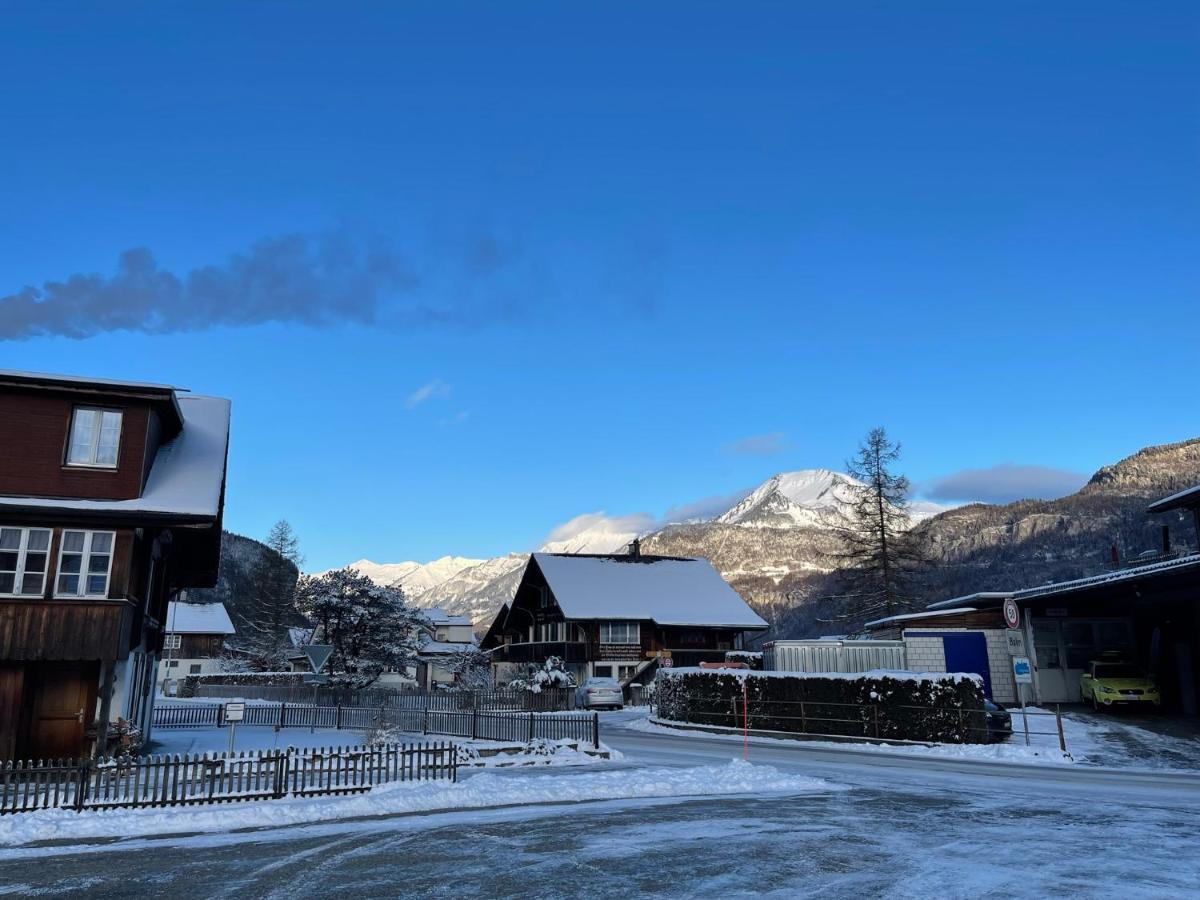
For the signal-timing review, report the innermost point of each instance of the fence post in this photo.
(875, 712)
(220, 714)
(596, 730)
(1062, 738)
(281, 706)
(531, 727)
(81, 784)
(803, 719)
(474, 722)
(338, 726)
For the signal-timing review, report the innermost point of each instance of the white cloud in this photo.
(759, 445)
(1004, 483)
(428, 391)
(707, 508)
(596, 532)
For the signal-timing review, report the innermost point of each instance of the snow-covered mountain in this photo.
(783, 527)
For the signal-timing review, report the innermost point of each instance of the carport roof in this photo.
(1188, 497)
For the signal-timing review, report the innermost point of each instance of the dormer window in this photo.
(95, 437)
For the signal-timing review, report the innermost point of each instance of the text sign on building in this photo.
(1015, 641)
(235, 712)
(1022, 671)
(1012, 613)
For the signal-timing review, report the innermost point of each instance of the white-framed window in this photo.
(95, 437)
(620, 633)
(172, 641)
(24, 553)
(172, 663)
(84, 563)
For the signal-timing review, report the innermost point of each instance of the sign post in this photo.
(1022, 675)
(233, 713)
(318, 655)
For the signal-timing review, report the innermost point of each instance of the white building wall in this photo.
(927, 654)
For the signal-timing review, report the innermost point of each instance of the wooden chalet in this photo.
(618, 615)
(111, 496)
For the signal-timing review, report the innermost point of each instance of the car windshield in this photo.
(602, 682)
(1118, 671)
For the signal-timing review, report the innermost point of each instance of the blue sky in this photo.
(637, 255)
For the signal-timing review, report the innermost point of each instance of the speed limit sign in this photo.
(1012, 613)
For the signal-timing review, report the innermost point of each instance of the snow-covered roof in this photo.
(1186, 497)
(920, 615)
(442, 648)
(668, 591)
(982, 598)
(1120, 575)
(83, 381)
(439, 616)
(186, 478)
(198, 618)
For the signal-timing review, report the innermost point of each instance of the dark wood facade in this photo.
(62, 656)
(534, 628)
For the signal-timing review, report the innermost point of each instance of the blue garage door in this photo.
(966, 651)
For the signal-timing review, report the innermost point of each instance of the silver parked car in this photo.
(599, 692)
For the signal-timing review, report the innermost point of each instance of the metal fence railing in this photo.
(547, 700)
(470, 723)
(874, 721)
(187, 779)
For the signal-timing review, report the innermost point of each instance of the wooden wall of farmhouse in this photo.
(33, 443)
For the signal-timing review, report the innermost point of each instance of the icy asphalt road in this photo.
(906, 828)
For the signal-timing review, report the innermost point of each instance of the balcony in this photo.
(539, 651)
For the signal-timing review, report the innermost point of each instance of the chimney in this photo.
(635, 548)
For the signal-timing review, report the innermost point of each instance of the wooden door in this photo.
(64, 702)
(12, 690)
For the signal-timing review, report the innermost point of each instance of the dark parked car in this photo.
(999, 723)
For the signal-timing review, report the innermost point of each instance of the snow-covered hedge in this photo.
(752, 658)
(911, 706)
(190, 683)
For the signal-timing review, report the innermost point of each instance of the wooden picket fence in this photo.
(186, 779)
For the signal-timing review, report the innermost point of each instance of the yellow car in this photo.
(1106, 683)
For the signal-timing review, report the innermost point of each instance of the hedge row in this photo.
(894, 705)
(187, 687)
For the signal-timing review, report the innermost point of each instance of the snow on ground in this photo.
(483, 790)
(216, 740)
(1091, 739)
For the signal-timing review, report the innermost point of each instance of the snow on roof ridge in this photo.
(198, 618)
(921, 615)
(671, 591)
(86, 380)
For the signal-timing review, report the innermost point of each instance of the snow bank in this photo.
(894, 674)
(479, 791)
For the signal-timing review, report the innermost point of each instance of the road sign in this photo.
(235, 712)
(1022, 671)
(1012, 613)
(318, 655)
(1016, 642)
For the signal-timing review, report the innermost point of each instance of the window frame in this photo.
(22, 556)
(95, 446)
(172, 640)
(84, 564)
(625, 623)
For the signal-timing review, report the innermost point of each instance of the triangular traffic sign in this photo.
(318, 655)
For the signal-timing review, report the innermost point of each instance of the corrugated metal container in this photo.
(834, 656)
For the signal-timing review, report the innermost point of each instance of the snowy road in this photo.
(906, 827)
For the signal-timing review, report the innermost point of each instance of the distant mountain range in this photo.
(780, 528)
(774, 545)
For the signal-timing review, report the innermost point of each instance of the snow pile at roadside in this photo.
(535, 753)
(1014, 750)
(479, 791)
